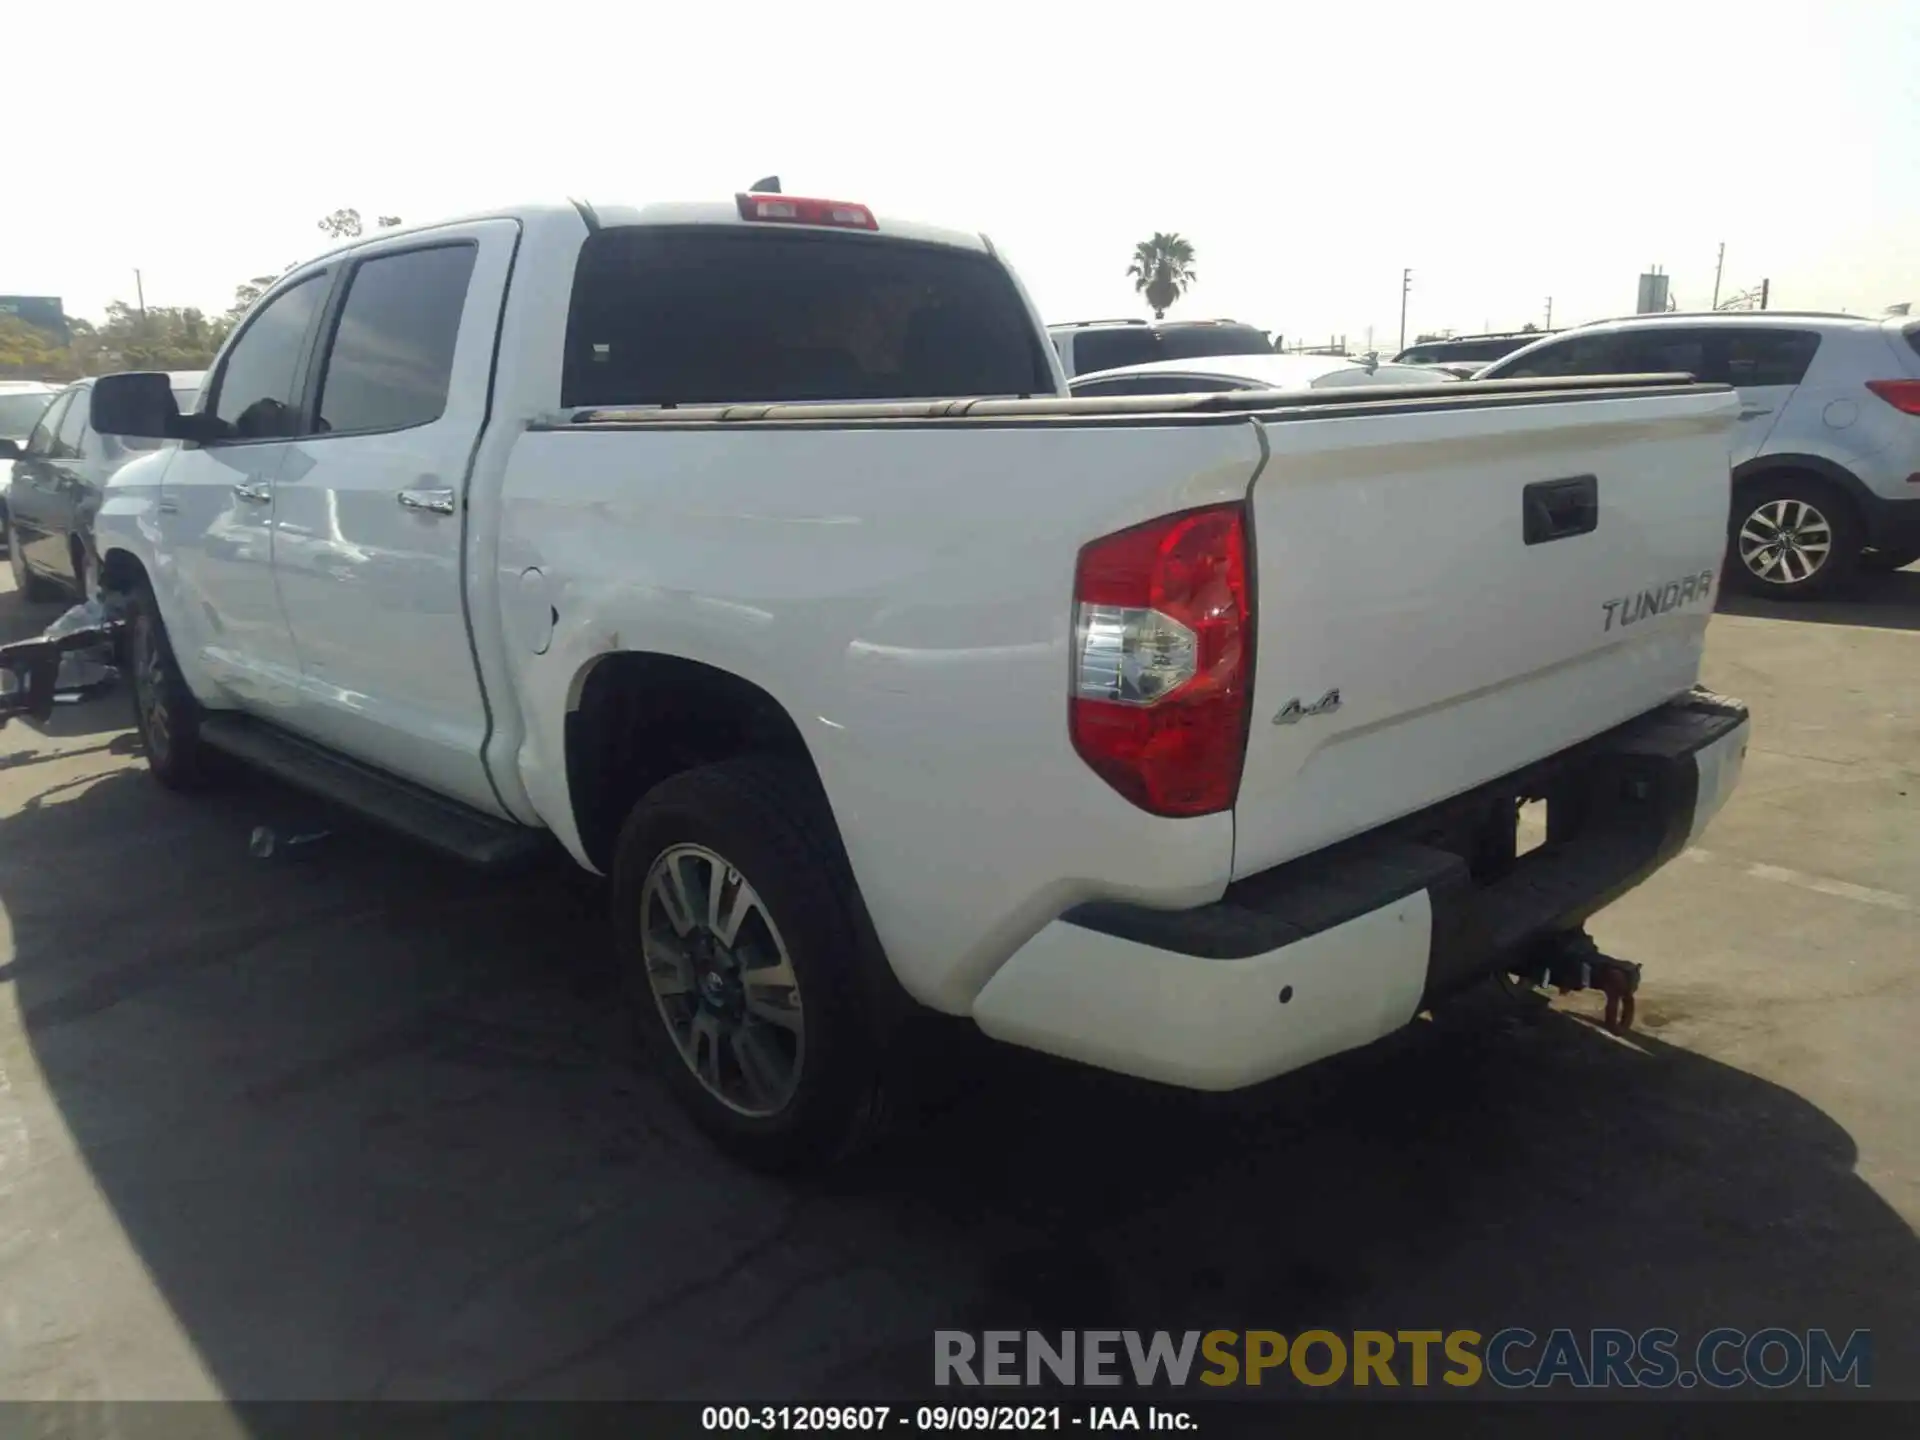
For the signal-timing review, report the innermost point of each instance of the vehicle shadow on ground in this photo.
(1884, 601)
(366, 1123)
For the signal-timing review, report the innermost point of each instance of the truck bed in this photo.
(898, 577)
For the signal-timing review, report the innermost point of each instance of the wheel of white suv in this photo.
(164, 710)
(1791, 537)
(734, 918)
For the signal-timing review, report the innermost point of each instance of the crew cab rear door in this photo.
(369, 506)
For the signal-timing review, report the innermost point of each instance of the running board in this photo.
(441, 824)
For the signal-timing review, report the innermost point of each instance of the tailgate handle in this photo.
(1555, 509)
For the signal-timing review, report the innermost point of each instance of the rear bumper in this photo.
(1332, 951)
(1893, 524)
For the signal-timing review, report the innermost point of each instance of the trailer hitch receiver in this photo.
(1573, 962)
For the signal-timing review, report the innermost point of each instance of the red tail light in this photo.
(1163, 660)
(794, 210)
(1903, 395)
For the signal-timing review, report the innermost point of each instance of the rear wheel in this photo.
(164, 710)
(734, 915)
(1791, 537)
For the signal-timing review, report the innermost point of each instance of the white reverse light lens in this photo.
(1133, 656)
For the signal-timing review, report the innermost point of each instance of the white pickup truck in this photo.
(1180, 735)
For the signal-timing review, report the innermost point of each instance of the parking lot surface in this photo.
(349, 1122)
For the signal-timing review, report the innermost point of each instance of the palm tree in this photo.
(1162, 269)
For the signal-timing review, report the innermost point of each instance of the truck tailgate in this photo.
(1418, 634)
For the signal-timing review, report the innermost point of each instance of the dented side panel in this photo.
(906, 596)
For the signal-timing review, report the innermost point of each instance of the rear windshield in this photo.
(691, 315)
(1459, 350)
(1136, 345)
(19, 412)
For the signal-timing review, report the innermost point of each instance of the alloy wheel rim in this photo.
(1785, 542)
(723, 980)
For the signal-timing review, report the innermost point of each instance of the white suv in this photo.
(1089, 345)
(1826, 454)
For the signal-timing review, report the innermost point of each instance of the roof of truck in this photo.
(721, 211)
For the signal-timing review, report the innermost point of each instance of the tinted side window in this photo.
(1668, 351)
(1213, 340)
(392, 355)
(73, 428)
(1581, 355)
(255, 394)
(1110, 349)
(1767, 357)
(40, 442)
(684, 315)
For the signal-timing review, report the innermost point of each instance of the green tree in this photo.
(346, 224)
(29, 353)
(1162, 270)
(164, 337)
(342, 224)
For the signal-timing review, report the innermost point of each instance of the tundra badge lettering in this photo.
(1293, 711)
(1629, 609)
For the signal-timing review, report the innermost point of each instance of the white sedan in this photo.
(1252, 372)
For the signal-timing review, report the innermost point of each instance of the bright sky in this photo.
(1309, 150)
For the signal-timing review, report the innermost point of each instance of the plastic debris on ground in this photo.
(71, 660)
(82, 672)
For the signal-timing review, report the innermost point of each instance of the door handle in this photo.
(259, 494)
(434, 502)
(1754, 414)
(1556, 509)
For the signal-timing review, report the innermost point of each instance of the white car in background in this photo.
(1252, 372)
(1088, 345)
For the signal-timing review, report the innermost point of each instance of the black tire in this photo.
(31, 586)
(766, 819)
(1881, 561)
(164, 710)
(1810, 512)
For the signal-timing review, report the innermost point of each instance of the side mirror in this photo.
(138, 405)
(11, 449)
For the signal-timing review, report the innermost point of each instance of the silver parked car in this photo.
(1253, 372)
(55, 489)
(1826, 453)
(22, 403)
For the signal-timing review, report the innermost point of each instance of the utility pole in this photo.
(1406, 284)
(140, 291)
(1549, 312)
(1717, 266)
(1763, 294)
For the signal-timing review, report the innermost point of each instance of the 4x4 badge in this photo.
(1293, 711)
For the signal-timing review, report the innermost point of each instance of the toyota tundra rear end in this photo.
(1426, 613)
